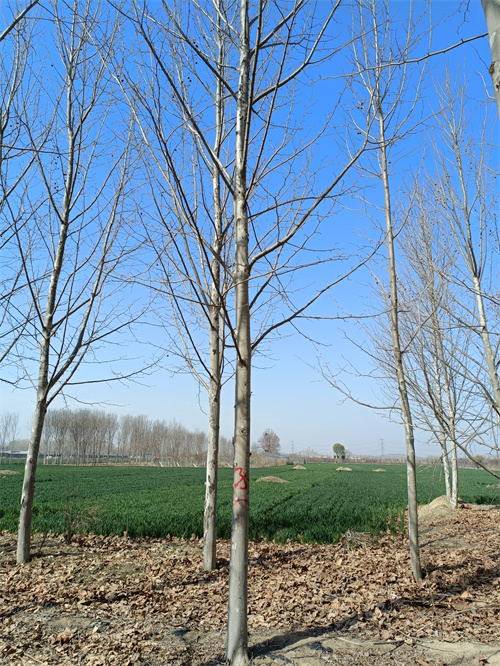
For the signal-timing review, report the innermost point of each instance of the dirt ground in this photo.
(106, 601)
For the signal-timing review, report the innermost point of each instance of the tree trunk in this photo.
(28, 491)
(398, 361)
(454, 475)
(215, 338)
(210, 515)
(438, 403)
(451, 467)
(485, 337)
(492, 13)
(446, 464)
(237, 632)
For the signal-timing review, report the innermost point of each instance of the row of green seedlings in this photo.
(278, 512)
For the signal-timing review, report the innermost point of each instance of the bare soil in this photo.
(104, 601)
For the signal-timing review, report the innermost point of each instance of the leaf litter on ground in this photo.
(114, 600)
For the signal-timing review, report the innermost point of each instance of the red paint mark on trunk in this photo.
(242, 482)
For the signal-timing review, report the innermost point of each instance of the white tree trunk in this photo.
(28, 491)
(446, 464)
(215, 338)
(454, 475)
(237, 631)
(439, 409)
(485, 337)
(398, 362)
(210, 514)
(492, 13)
(451, 469)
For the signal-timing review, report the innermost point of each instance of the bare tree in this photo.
(111, 427)
(431, 341)
(448, 307)
(125, 437)
(274, 247)
(441, 329)
(189, 231)
(88, 435)
(460, 202)
(81, 434)
(383, 87)
(274, 215)
(98, 436)
(269, 442)
(77, 227)
(466, 196)
(56, 434)
(139, 437)
(204, 264)
(9, 423)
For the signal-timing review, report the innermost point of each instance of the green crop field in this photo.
(318, 505)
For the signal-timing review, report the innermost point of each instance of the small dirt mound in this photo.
(273, 479)
(344, 469)
(379, 470)
(438, 508)
(8, 471)
(299, 467)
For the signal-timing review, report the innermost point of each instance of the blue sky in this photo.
(288, 394)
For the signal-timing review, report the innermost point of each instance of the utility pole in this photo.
(382, 448)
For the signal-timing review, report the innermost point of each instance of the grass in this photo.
(318, 505)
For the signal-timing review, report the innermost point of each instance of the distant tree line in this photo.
(92, 436)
